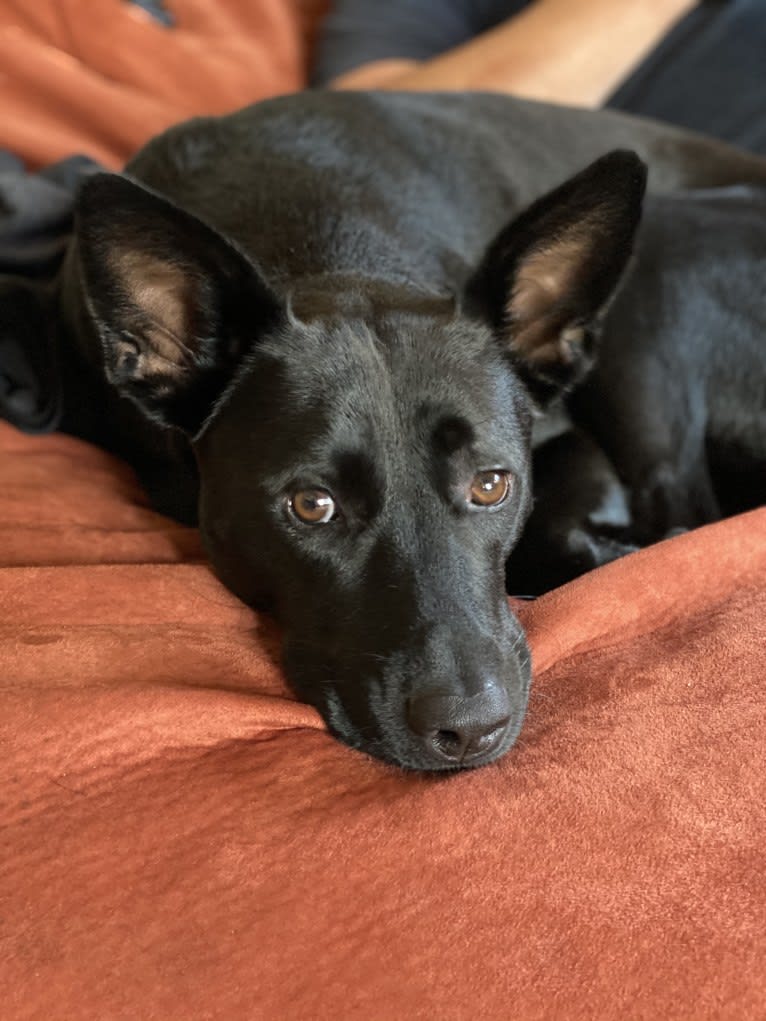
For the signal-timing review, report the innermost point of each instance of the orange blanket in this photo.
(182, 840)
(100, 77)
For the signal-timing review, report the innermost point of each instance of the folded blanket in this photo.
(182, 839)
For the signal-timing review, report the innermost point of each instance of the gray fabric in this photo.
(157, 10)
(356, 32)
(36, 213)
(35, 227)
(709, 73)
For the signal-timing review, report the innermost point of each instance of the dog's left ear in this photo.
(175, 304)
(549, 274)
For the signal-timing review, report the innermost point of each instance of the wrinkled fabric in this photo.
(100, 77)
(181, 839)
(36, 213)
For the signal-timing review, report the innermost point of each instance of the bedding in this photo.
(100, 77)
(180, 838)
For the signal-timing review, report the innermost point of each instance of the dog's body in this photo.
(669, 430)
(346, 360)
(677, 398)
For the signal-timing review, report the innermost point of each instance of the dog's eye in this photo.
(490, 488)
(312, 506)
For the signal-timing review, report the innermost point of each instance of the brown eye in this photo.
(312, 506)
(489, 489)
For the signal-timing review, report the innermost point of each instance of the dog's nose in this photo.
(458, 728)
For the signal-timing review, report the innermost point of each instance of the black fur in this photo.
(678, 395)
(676, 401)
(306, 295)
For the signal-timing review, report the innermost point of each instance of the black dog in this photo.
(677, 398)
(305, 330)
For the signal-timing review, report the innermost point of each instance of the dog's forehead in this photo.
(330, 399)
(393, 370)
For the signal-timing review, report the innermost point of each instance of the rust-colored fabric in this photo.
(180, 839)
(100, 77)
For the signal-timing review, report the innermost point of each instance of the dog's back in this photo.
(678, 394)
(408, 187)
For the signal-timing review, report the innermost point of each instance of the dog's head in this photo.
(365, 460)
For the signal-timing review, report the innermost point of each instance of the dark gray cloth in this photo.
(36, 213)
(709, 73)
(356, 32)
(157, 9)
(35, 227)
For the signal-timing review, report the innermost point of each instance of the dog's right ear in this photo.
(548, 276)
(175, 304)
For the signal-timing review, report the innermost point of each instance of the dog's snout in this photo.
(460, 729)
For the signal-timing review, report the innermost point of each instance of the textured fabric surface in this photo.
(100, 77)
(180, 839)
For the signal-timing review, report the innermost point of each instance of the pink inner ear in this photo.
(540, 305)
(162, 295)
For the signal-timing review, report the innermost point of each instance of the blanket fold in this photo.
(180, 838)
